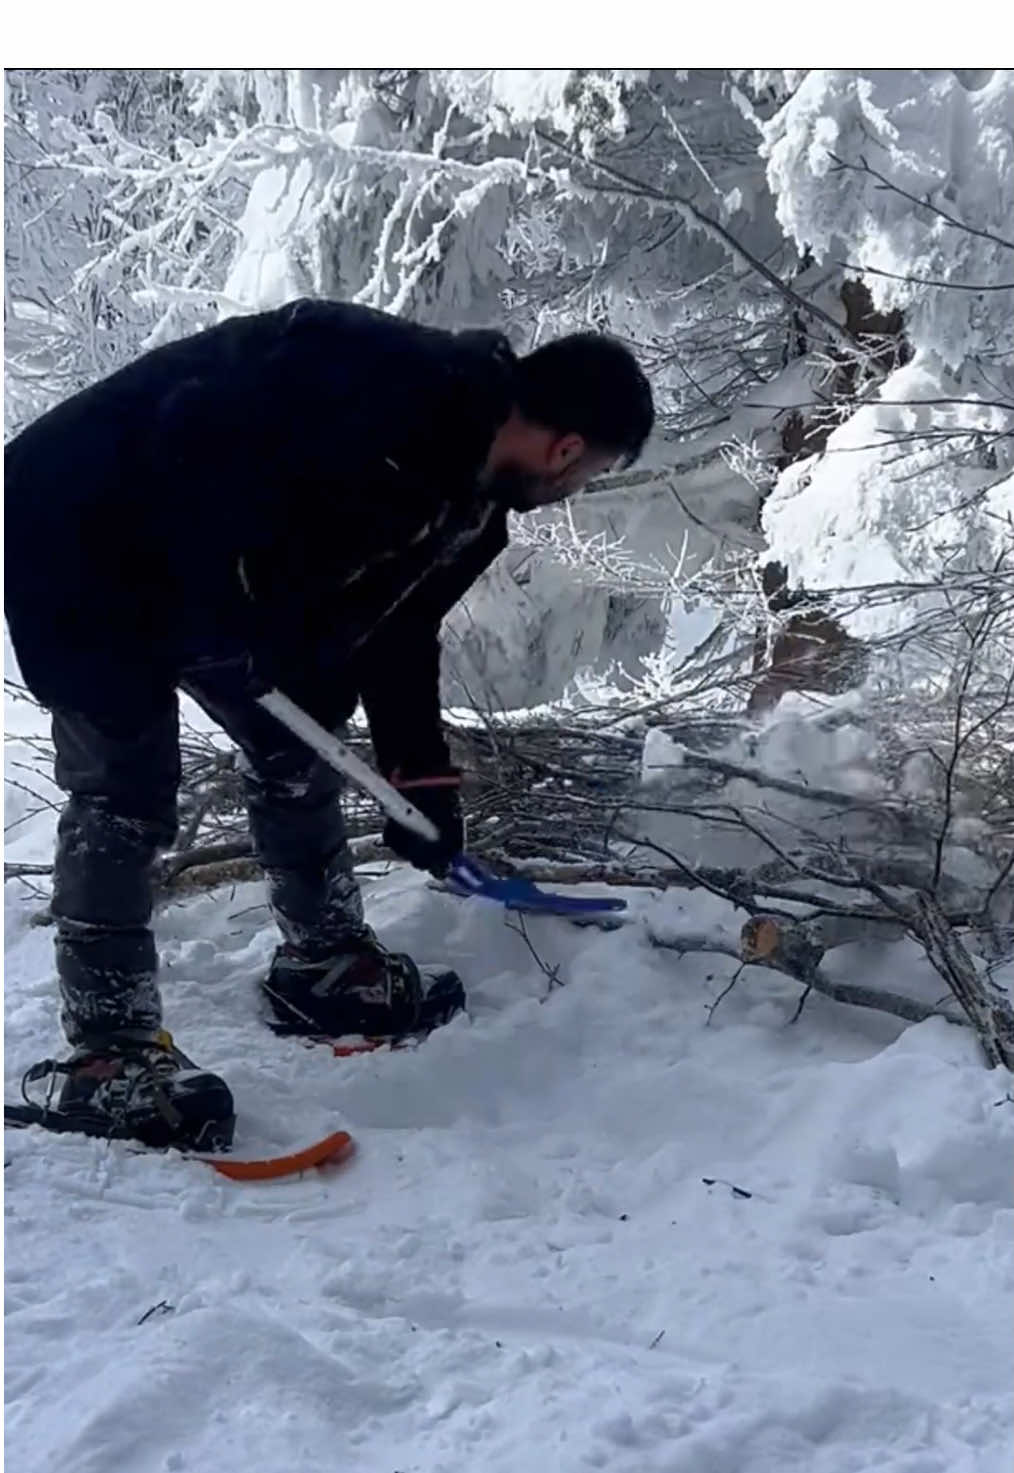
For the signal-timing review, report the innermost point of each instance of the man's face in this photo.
(547, 469)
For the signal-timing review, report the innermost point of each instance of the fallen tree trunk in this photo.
(797, 949)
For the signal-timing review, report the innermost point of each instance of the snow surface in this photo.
(523, 1268)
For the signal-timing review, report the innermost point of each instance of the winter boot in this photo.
(365, 989)
(137, 1088)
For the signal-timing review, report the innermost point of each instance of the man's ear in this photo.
(566, 451)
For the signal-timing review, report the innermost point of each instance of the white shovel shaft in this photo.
(335, 752)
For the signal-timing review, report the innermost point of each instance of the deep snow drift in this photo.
(524, 1268)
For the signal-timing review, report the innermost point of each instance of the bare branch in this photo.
(956, 286)
(987, 1009)
(863, 167)
(14, 870)
(714, 227)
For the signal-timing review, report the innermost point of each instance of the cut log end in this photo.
(777, 941)
(759, 939)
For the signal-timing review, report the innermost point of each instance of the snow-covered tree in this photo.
(73, 310)
(906, 181)
(720, 222)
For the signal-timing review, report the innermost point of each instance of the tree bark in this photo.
(988, 1010)
(797, 949)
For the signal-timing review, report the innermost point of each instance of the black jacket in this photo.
(291, 494)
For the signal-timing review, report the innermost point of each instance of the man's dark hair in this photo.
(591, 385)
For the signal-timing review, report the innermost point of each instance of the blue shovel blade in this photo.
(469, 877)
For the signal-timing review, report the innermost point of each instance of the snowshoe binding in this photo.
(365, 992)
(130, 1088)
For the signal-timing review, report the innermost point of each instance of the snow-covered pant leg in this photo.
(122, 782)
(296, 824)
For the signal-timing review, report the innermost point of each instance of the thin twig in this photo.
(712, 1007)
(552, 973)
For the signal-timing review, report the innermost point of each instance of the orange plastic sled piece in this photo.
(335, 1147)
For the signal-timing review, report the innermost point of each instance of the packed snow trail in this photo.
(523, 1267)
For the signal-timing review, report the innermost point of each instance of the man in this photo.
(293, 499)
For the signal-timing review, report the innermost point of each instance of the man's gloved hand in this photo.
(437, 795)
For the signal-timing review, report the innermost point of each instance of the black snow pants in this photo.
(122, 778)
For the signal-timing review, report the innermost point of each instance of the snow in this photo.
(901, 493)
(660, 753)
(558, 97)
(937, 140)
(625, 1222)
(846, 519)
(523, 1266)
(264, 275)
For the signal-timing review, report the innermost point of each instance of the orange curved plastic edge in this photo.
(335, 1147)
(349, 1050)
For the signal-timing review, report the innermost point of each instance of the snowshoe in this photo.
(130, 1088)
(366, 991)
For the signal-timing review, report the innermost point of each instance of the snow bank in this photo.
(525, 1266)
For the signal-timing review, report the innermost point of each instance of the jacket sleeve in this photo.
(398, 669)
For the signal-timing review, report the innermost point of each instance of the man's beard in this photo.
(518, 489)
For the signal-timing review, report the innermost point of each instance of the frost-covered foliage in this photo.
(908, 509)
(541, 200)
(909, 178)
(459, 197)
(76, 188)
(710, 218)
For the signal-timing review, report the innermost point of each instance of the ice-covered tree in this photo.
(906, 182)
(76, 147)
(713, 219)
